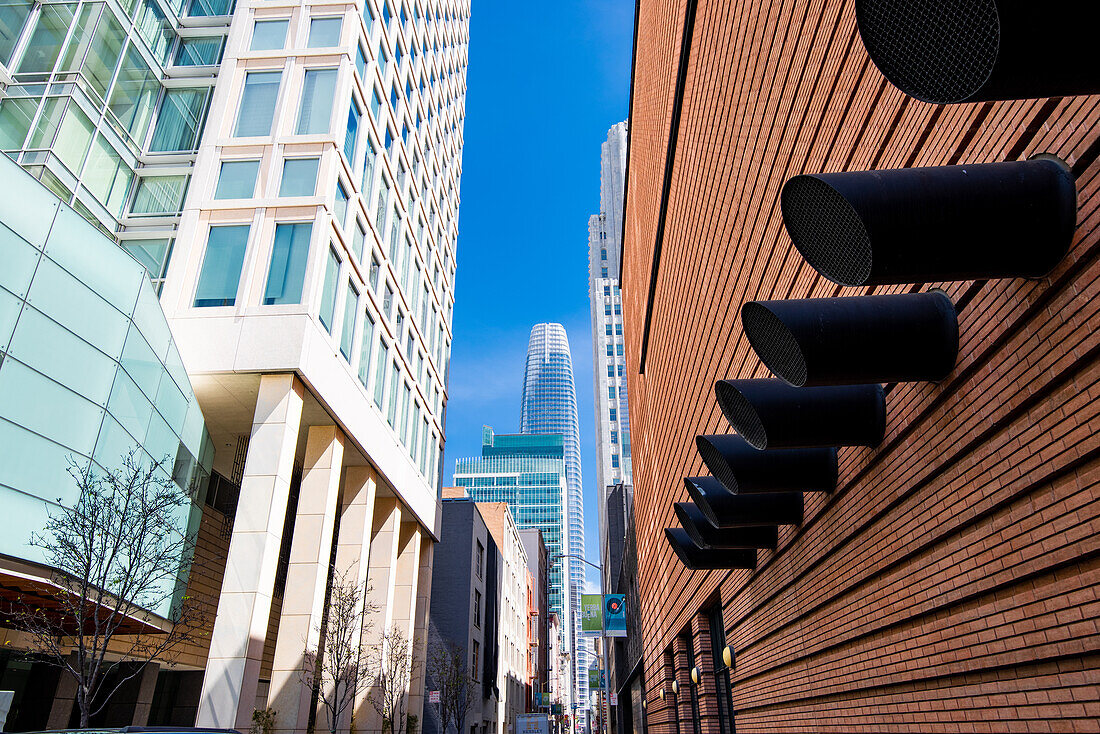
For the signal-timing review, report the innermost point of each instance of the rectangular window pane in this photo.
(221, 266)
(365, 344)
(351, 309)
(178, 123)
(104, 52)
(268, 35)
(403, 416)
(395, 379)
(358, 241)
(13, 14)
(286, 273)
(208, 7)
(261, 90)
(45, 43)
(352, 133)
(340, 212)
(328, 291)
(159, 195)
(107, 176)
(237, 180)
(299, 177)
(380, 373)
(324, 32)
(199, 52)
(135, 94)
(316, 109)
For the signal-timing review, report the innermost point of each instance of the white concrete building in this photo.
(613, 463)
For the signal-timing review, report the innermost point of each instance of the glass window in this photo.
(104, 51)
(209, 7)
(340, 211)
(15, 121)
(395, 379)
(159, 195)
(361, 62)
(13, 14)
(324, 32)
(180, 116)
(299, 177)
(352, 132)
(351, 309)
(199, 52)
(45, 43)
(316, 110)
(615, 461)
(135, 94)
(328, 290)
(152, 254)
(387, 302)
(268, 35)
(358, 240)
(403, 417)
(380, 373)
(366, 341)
(237, 180)
(221, 265)
(154, 29)
(289, 254)
(375, 267)
(261, 90)
(107, 176)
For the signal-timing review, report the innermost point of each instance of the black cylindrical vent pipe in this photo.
(855, 341)
(706, 535)
(945, 51)
(724, 509)
(745, 470)
(920, 225)
(770, 414)
(704, 559)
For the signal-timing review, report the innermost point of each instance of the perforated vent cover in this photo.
(717, 465)
(938, 51)
(827, 230)
(741, 415)
(774, 343)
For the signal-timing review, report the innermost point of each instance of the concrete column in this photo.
(381, 575)
(353, 550)
(147, 686)
(420, 627)
(237, 642)
(404, 596)
(307, 576)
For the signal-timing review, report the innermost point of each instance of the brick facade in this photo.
(951, 580)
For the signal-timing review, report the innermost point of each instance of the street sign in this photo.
(433, 696)
(614, 699)
(614, 615)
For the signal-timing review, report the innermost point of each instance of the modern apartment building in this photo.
(550, 406)
(948, 580)
(288, 174)
(527, 472)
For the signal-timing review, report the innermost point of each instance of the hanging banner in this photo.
(591, 614)
(614, 615)
(595, 679)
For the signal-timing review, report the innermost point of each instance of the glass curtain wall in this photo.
(87, 111)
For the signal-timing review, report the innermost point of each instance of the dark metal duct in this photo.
(706, 535)
(920, 225)
(945, 51)
(745, 470)
(724, 509)
(855, 341)
(704, 559)
(770, 414)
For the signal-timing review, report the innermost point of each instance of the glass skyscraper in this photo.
(550, 406)
(528, 472)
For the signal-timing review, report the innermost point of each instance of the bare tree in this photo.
(450, 676)
(393, 667)
(116, 554)
(339, 670)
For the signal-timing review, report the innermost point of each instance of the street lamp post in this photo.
(605, 680)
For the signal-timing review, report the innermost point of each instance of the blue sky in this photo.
(545, 82)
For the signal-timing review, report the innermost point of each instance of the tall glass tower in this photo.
(550, 406)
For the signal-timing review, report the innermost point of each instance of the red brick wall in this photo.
(952, 579)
